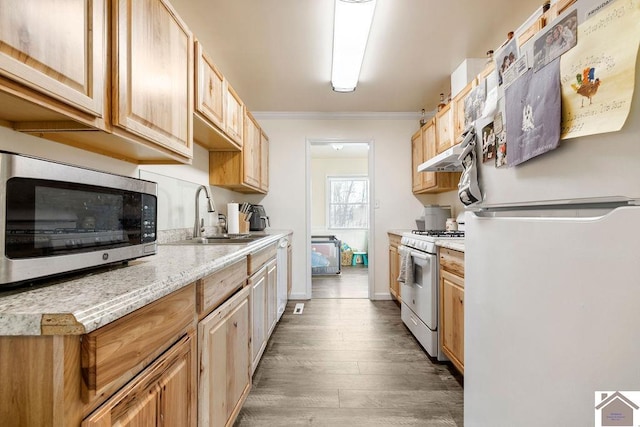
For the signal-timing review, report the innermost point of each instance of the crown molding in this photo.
(318, 115)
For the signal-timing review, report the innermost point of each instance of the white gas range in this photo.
(419, 308)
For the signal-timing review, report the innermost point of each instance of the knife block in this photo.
(243, 223)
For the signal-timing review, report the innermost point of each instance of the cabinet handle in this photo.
(235, 323)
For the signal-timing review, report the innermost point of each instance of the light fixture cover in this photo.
(352, 22)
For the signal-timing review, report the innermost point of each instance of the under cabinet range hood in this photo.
(447, 161)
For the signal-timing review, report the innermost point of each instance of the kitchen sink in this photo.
(223, 239)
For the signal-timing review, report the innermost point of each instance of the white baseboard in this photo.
(298, 297)
(380, 296)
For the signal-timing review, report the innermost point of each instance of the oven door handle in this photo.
(416, 254)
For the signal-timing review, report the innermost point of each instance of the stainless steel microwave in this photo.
(60, 218)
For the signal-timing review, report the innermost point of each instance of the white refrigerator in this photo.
(552, 283)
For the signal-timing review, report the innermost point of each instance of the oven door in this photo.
(421, 296)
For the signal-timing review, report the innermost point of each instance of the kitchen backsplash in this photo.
(176, 205)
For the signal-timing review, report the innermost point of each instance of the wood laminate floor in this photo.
(350, 362)
(352, 282)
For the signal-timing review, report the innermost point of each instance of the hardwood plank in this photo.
(332, 417)
(284, 381)
(397, 399)
(304, 367)
(360, 351)
(293, 399)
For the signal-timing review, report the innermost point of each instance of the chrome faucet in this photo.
(199, 225)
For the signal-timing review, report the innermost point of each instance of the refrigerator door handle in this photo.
(565, 212)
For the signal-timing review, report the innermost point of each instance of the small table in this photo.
(361, 255)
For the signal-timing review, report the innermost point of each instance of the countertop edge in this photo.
(20, 323)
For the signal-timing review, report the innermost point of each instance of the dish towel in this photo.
(406, 265)
(469, 188)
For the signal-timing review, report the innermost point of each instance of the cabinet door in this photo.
(394, 271)
(175, 402)
(225, 363)
(234, 115)
(251, 152)
(429, 179)
(417, 157)
(163, 394)
(272, 297)
(153, 74)
(210, 91)
(258, 283)
(264, 162)
(58, 48)
(458, 110)
(444, 129)
(452, 317)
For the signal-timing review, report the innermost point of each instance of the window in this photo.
(348, 202)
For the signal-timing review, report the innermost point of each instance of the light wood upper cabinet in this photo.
(210, 116)
(429, 141)
(264, 162)
(113, 77)
(57, 48)
(153, 74)
(225, 363)
(423, 148)
(444, 129)
(458, 110)
(234, 115)
(452, 306)
(210, 90)
(417, 157)
(251, 151)
(245, 171)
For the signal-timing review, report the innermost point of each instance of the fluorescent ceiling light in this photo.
(352, 22)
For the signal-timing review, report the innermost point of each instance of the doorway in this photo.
(339, 218)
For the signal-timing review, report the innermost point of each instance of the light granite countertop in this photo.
(456, 245)
(89, 301)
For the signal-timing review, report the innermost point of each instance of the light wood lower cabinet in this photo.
(452, 306)
(225, 375)
(264, 299)
(272, 296)
(162, 395)
(258, 283)
(182, 360)
(394, 267)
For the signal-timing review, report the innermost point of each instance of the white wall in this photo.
(391, 180)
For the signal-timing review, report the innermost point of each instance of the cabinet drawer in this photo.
(452, 261)
(258, 259)
(214, 289)
(115, 353)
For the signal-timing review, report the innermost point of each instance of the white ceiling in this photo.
(277, 53)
